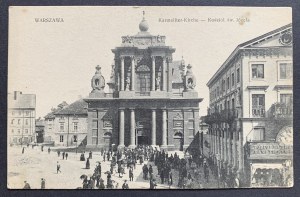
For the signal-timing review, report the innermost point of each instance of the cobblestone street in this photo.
(35, 164)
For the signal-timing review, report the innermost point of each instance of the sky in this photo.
(56, 60)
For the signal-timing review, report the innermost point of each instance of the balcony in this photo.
(225, 116)
(258, 111)
(281, 110)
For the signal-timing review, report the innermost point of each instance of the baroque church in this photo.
(151, 99)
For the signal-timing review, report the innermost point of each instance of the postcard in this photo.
(141, 97)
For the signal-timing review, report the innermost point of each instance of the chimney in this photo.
(16, 94)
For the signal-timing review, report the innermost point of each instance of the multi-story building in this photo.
(70, 124)
(152, 100)
(40, 130)
(21, 118)
(49, 135)
(250, 112)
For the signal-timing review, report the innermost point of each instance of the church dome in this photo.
(143, 25)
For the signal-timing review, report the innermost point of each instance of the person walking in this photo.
(43, 184)
(145, 171)
(131, 174)
(58, 168)
(87, 164)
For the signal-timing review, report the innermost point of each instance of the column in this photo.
(153, 73)
(132, 73)
(225, 144)
(241, 152)
(121, 128)
(164, 128)
(122, 73)
(153, 128)
(163, 70)
(132, 128)
(234, 149)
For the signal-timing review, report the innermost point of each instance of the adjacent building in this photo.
(49, 135)
(151, 99)
(70, 124)
(251, 109)
(40, 130)
(21, 118)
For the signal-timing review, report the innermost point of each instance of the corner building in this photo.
(151, 99)
(251, 111)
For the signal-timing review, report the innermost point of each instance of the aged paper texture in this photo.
(150, 97)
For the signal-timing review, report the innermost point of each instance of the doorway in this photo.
(142, 140)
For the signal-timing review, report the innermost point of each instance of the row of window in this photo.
(257, 72)
(20, 113)
(19, 131)
(75, 126)
(258, 103)
(285, 71)
(12, 122)
(226, 84)
(61, 138)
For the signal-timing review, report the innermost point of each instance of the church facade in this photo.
(151, 98)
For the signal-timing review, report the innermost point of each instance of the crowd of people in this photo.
(190, 171)
(187, 169)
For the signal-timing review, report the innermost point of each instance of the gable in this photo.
(279, 38)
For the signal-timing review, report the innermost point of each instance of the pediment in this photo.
(281, 37)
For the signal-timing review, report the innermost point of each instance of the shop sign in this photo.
(267, 150)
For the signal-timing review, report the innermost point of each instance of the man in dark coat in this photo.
(58, 168)
(145, 172)
(87, 164)
(130, 174)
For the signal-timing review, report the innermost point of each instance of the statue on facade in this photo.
(157, 83)
(127, 83)
(98, 81)
(189, 79)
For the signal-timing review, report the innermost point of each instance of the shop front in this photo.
(270, 164)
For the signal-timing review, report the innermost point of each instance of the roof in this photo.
(76, 108)
(21, 101)
(51, 115)
(247, 44)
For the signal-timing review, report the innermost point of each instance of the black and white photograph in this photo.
(146, 97)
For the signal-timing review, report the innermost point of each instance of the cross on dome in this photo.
(143, 24)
